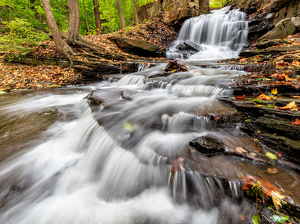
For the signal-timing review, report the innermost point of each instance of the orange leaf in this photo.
(297, 122)
(263, 97)
(266, 186)
(240, 97)
(177, 165)
(290, 105)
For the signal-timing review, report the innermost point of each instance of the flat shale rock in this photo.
(208, 145)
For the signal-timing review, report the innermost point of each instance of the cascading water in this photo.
(220, 35)
(106, 157)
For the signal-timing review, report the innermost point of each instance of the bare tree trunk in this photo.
(123, 25)
(73, 29)
(97, 16)
(86, 21)
(61, 46)
(135, 13)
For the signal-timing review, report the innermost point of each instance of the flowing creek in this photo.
(65, 159)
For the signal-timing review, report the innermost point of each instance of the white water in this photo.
(221, 34)
(81, 171)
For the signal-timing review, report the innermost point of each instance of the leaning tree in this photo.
(73, 30)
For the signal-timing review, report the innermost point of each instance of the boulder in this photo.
(296, 22)
(189, 45)
(276, 5)
(170, 16)
(149, 10)
(268, 43)
(280, 15)
(139, 47)
(208, 145)
(284, 28)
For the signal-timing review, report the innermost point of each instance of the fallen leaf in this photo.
(277, 199)
(240, 150)
(271, 155)
(128, 126)
(264, 97)
(274, 91)
(272, 170)
(289, 106)
(256, 219)
(278, 154)
(252, 154)
(217, 118)
(177, 166)
(238, 98)
(296, 122)
(242, 217)
(266, 186)
(289, 79)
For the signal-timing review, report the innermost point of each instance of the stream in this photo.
(65, 159)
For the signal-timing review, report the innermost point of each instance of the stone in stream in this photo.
(208, 145)
(189, 45)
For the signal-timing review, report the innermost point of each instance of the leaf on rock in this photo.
(240, 150)
(271, 155)
(272, 170)
(277, 199)
(296, 122)
(177, 165)
(128, 126)
(279, 219)
(249, 182)
(289, 106)
(274, 91)
(239, 98)
(263, 97)
(256, 219)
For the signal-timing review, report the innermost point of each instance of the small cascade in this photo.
(221, 34)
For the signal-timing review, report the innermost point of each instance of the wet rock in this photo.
(268, 43)
(105, 97)
(139, 47)
(284, 28)
(189, 45)
(174, 78)
(128, 94)
(174, 66)
(208, 145)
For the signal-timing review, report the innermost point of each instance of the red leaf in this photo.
(176, 165)
(296, 122)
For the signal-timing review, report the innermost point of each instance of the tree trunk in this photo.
(97, 16)
(135, 13)
(61, 46)
(73, 29)
(86, 21)
(123, 25)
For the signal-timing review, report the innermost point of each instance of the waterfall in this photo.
(219, 35)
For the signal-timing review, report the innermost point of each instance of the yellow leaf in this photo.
(274, 91)
(260, 105)
(256, 140)
(277, 199)
(128, 126)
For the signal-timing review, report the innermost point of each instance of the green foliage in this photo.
(218, 3)
(32, 12)
(280, 219)
(256, 219)
(21, 33)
